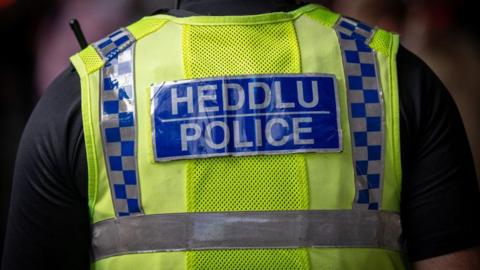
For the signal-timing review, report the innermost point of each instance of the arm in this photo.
(440, 196)
(462, 260)
(48, 224)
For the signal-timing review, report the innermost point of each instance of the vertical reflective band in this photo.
(366, 111)
(118, 123)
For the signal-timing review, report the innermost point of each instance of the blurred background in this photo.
(36, 42)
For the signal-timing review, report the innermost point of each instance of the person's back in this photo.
(247, 142)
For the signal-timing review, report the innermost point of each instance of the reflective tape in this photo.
(118, 122)
(366, 111)
(115, 43)
(245, 230)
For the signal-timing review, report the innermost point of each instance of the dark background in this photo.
(36, 42)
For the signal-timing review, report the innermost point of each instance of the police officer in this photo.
(289, 137)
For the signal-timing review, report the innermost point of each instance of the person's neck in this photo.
(236, 7)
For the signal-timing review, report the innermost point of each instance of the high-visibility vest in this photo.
(268, 141)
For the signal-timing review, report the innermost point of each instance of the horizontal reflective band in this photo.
(245, 230)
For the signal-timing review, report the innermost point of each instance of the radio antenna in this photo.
(77, 30)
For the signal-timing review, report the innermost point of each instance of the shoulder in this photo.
(439, 187)
(53, 137)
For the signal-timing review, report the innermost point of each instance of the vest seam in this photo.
(275, 17)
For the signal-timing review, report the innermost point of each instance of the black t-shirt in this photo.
(48, 226)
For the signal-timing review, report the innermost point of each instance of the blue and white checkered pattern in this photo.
(119, 128)
(114, 44)
(366, 111)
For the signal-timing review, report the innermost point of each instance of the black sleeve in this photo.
(440, 195)
(48, 225)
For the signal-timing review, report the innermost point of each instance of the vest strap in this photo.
(366, 112)
(246, 230)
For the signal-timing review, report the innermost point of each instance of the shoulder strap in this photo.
(103, 51)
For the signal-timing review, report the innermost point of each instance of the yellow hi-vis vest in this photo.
(243, 142)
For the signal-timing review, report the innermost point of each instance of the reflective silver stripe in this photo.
(366, 111)
(245, 230)
(118, 124)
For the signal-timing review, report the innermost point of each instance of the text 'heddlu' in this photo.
(245, 116)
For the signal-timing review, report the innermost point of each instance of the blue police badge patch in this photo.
(246, 115)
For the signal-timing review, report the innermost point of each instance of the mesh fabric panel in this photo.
(257, 183)
(254, 183)
(249, 259)
(240, 49)
(91, 59)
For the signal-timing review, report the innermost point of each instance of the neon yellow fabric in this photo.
(324, 16)
(244, 183)
(395, 107)
(356, 259)
(257, 183)
(92, 60)
(145, 26)
(148, 261)
(388, 76)
(324, 57)
(249, 259)
(208, 50)
(171, 48)
(158, 58)
(99, 198)
(382, 42)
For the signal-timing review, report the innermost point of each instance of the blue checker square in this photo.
(373, 181)
(345, 36)
(133, 205)
(347, 25)
(121, 40)
(363, 196)
(355, 82)
(368, 70)
(373, 206)
(371, 96)
(123, 214)
(374, 123)
(110, 107)
(112, 135)
(362, 167)
(352, 57)
(122, 94)
(359, 37)
(358, 110)
(112, 35)
(127, 148)
(115, 163)
(364, 27)
(361, 46)
(120, 191)
(126, 119)
(130, 177)
(374, 152)
(109, 84)
(360, 139)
